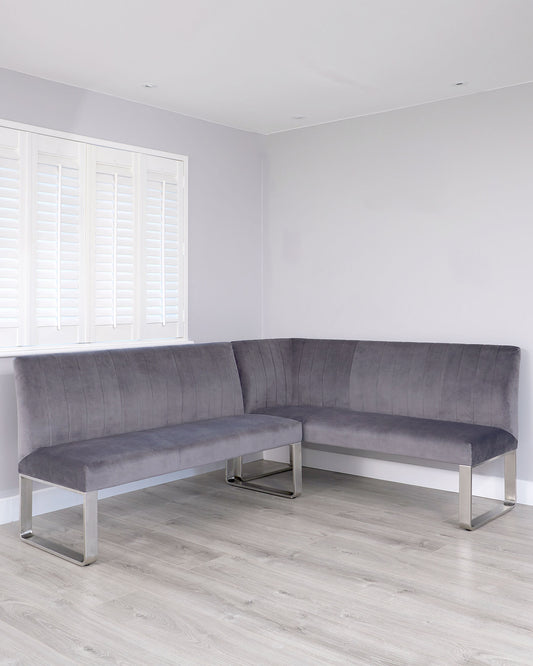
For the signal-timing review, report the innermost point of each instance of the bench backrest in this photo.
(72, 397)
(453, 382)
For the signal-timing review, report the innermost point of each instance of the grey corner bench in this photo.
(93, 420)
(448, 403)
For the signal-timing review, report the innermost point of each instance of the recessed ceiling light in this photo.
(298, 117)
(460, 83)
(149, 85)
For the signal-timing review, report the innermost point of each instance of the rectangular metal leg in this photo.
(466, 521)
(26, 507)
(465, 496)
(296, 464)
(90, 526)
(236, 477)
(234, 468)
(509, 473)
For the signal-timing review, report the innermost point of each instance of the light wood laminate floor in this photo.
(356, 571)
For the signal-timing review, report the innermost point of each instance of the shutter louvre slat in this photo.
(160, 240)
(58, 243)
(10, 239)
(114, 248)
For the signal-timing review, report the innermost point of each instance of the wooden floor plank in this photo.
(355, 571)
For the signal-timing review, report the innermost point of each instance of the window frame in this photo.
(27, 166)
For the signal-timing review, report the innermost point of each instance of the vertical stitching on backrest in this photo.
(299, 395)
(265, 392)
(135, 402)
(149, 373)
(291, 400)
(440, 394)
(409, 409)
(312, 344)
(287, 371)
(167, 395)
(192, 368)
(269, 347)
(495, 365)
(178, 375)
(314, 356)
(457, 382)
(363, 393)
(350, 402)
(393, 378)
(221, 393)
(423, 383)
(473, 386)
(211, 361)
(103, 431)
(328, 350)
(61, 374)
(378, 373)
(40, 361)
(280, 349)
(238, 395)
(85, 401)
(122, 415)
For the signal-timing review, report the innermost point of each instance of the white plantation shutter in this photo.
(11, 237)
(114, 244)
(10, 195)
(92, 242)
(57, 236)
(163, 248)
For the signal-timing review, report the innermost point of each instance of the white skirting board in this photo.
(52, 499)
(484, 485)
(487, 482)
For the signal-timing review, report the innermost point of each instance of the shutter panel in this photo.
(92, 242)
(11, 242)
(57, 236)
(114, 245)
(162, 248)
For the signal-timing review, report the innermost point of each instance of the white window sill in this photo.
(91, 346)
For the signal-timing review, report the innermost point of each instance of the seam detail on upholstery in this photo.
(472, 387)
(122, 416)
(60, 365)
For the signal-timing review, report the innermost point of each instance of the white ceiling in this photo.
(256, 64)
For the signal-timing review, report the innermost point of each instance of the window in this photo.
(92, 241)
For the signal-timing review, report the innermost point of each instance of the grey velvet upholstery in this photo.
(322, 372)
(436, 386)
(92, 420)
(88, 395)
(426, 439)
(265, 369)
(466, 383)
(109, 461)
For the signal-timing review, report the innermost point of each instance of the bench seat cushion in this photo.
(109, 461)
(443, 441)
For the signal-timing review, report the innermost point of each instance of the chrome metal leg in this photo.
(90, 526)
(236, 477)
(509, 473)
(234, 468)
(26, 507)
(465, 494)
(296, 464)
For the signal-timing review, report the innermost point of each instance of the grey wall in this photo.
(224, 208)
(409, 225)
(415, 224)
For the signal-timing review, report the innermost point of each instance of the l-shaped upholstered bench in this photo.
(92, 420)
